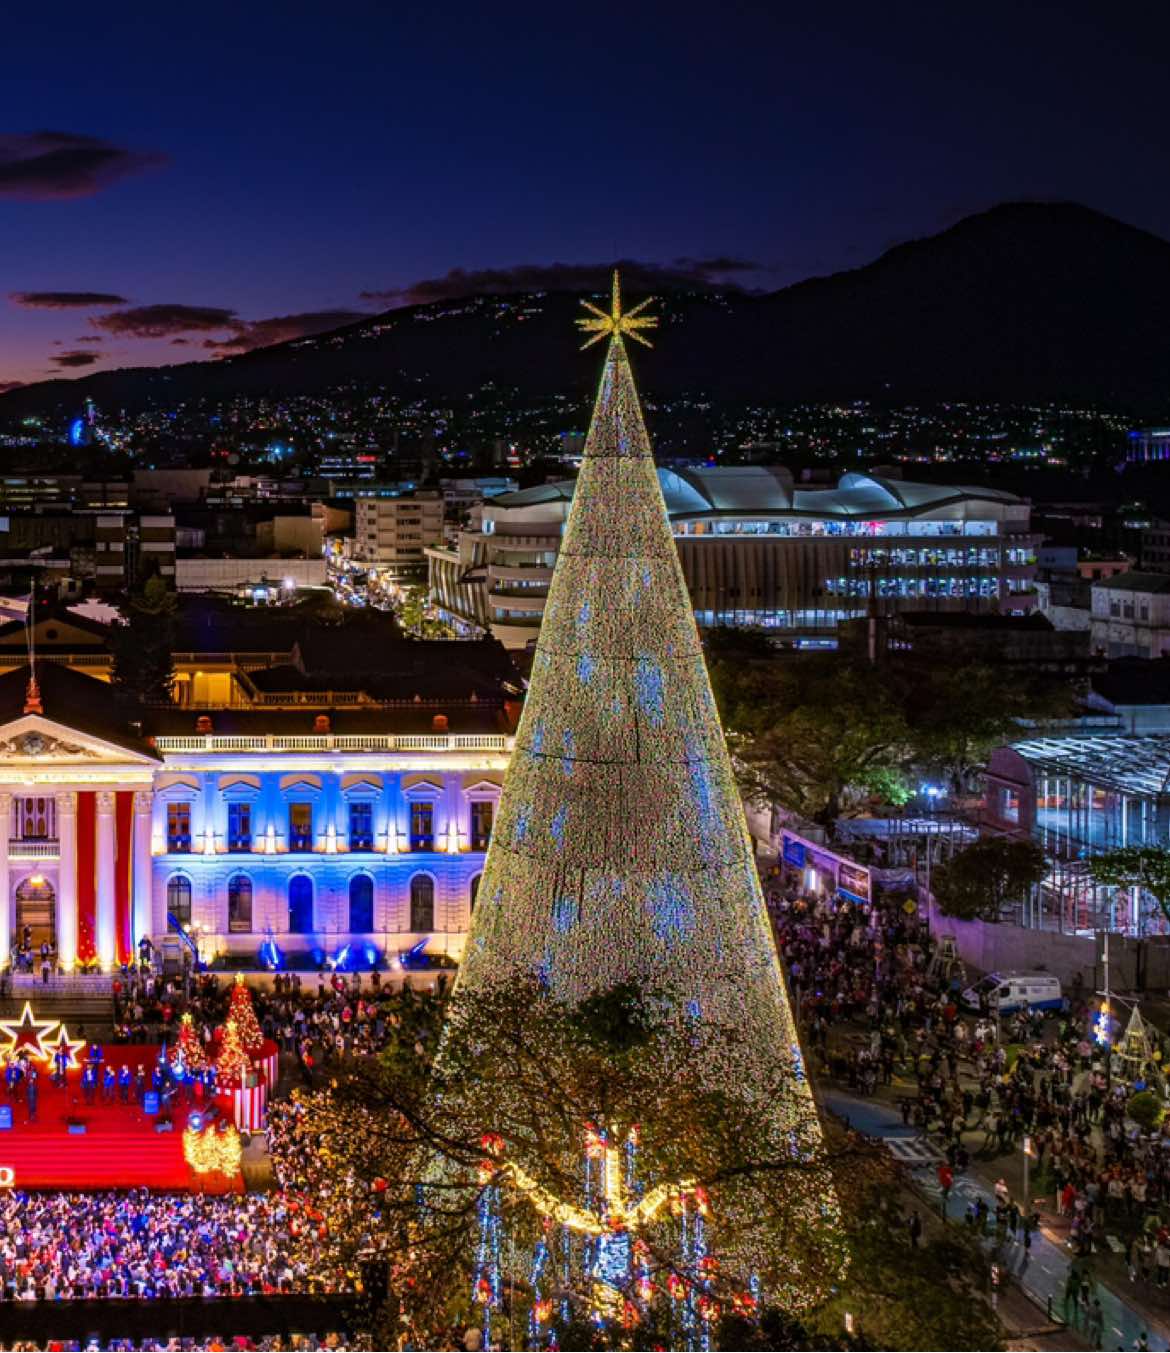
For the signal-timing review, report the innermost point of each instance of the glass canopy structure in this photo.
(1078, 796)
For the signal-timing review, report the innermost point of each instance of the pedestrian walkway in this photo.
(1042, 1272)
(914, 1151)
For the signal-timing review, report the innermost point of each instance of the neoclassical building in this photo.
(314, 828)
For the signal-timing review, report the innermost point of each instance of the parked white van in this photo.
(1011, 991)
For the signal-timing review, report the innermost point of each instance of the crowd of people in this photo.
(319, 1018)
(875, 1009)
(139, 1244)
(236, 1343)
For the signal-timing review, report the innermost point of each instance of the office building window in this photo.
(482, 812)
(361, 904)
(422, 903)
(361, 826)
(300, 826)
(178, 903)
(179, 827)
(239, 892)
(422, 826)
(300, 904)
(239, 826)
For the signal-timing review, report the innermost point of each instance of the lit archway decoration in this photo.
(619, 1263)
(618, 1213)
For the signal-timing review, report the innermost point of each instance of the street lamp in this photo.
(1028, 1154)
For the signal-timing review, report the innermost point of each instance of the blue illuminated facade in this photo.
(307, 844)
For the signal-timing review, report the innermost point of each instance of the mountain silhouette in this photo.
(1024, 302)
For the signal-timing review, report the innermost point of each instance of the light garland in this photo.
(213, 1151)
(621, 856)
(613, 1212)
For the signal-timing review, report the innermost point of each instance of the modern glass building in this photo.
(759, 549)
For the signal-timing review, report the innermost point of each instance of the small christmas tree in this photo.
(188, 1056)
(240, 1010)
(233, 1062)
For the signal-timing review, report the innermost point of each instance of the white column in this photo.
(211, 824)
(106, 930)
(142, 877)
(67, 879)
(5, 885)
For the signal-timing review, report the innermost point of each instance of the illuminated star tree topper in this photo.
(617, 322)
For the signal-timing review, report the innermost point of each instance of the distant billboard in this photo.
(839, 875)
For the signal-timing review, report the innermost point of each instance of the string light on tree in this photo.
(213, 1151)
(621, 857)
(233, 1063)
(242, 1012)
(189, 1055)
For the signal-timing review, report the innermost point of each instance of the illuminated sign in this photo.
(7, 1177)
(853, 879)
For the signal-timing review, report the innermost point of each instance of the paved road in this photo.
(1043, 1273)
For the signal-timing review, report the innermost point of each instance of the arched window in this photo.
(422, 903)
(178, 902)
(361, 904)
(300, 904)
(239, 891)
(474, 889)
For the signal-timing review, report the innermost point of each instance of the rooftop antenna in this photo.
(32, 695)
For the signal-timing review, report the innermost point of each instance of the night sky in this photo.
(183, 187)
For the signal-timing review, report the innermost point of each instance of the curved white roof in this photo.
(763, 491)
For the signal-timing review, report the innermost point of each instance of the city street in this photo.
(1043, 1273)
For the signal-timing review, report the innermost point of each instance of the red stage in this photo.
(120, 1147)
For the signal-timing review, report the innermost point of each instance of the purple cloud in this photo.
(64, 300)
(682, 274)
(40, 166)
(262, 333)
(72, 359)
(161, 321)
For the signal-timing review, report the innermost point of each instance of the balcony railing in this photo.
(42, 848)
(336, 742)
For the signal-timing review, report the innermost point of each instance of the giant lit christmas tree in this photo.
(621, 858)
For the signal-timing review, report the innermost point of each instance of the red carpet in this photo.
(120, 1147)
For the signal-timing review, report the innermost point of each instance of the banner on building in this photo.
(825, 869)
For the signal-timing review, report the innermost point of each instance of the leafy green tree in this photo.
(959, 711)
(412, 613)
(931, 1297)
(1146, 1109)
(535, 1075)
(815, 731)
(1144, 867)
(807, 730)
(977, 882)
(143, 646)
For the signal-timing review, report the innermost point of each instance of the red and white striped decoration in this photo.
(247, 1104)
